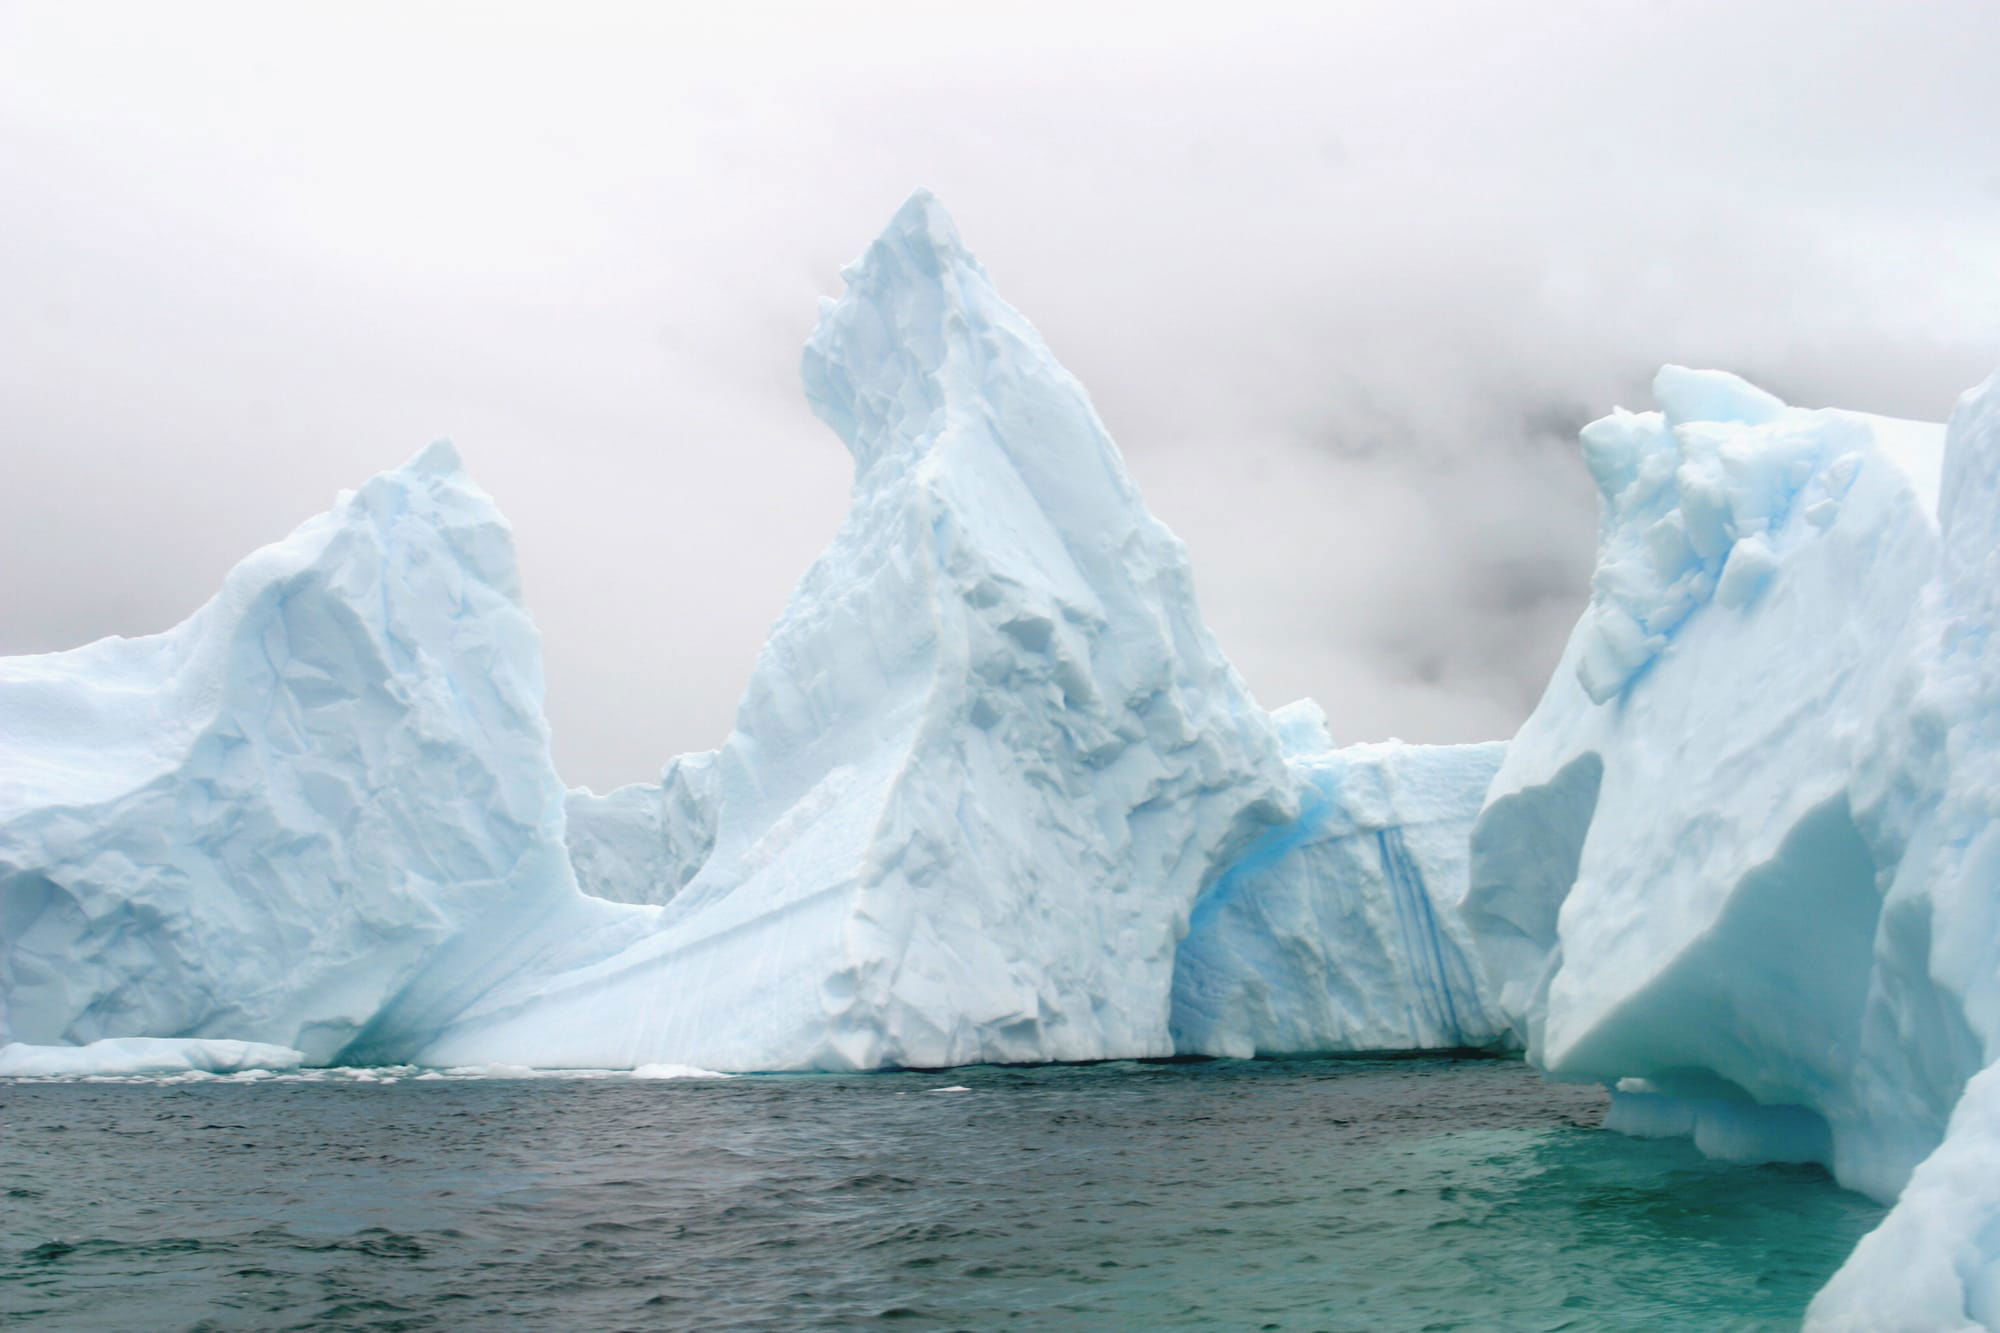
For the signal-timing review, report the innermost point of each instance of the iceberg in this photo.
(986, 763)
(993, 793)
(1686, 795)
(1740, 863)
(1933, 1263)
(318, 814)
(1339, 931)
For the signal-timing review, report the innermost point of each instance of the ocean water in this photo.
(1338, 1194)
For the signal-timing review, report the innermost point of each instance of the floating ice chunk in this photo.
(1635, 861)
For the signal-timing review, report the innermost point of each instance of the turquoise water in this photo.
(1339, 1195)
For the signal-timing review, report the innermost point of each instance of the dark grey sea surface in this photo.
(1338, 1194)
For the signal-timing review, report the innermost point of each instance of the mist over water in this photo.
(1343, 1195)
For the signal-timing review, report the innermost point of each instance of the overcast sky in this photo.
(1343, 280)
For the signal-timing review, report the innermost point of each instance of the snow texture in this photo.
(985, 764)
(318, 814)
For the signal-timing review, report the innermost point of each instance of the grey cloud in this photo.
(1343, 280)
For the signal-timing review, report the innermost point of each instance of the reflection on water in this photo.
(1363, 1195)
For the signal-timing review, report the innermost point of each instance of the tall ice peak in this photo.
(919, 340)
(986, 762)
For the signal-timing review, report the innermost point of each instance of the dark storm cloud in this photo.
(1343, 280)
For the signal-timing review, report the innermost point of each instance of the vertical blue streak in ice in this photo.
(1422, 943)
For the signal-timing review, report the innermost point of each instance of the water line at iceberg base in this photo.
(995, 796)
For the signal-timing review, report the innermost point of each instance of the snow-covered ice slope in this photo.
(1340, 931)
(1933, 1015)
(644, 842)
(986, 762)
(318, 814)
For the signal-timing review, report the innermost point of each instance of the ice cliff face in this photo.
(1639, 847)
(986, 762)
(1687, 785)
(319, 813)
(1740, 862)
(1339, 931)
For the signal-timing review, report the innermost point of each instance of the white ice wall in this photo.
(319, 813)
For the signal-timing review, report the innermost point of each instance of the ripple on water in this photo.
(1364, 1195)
